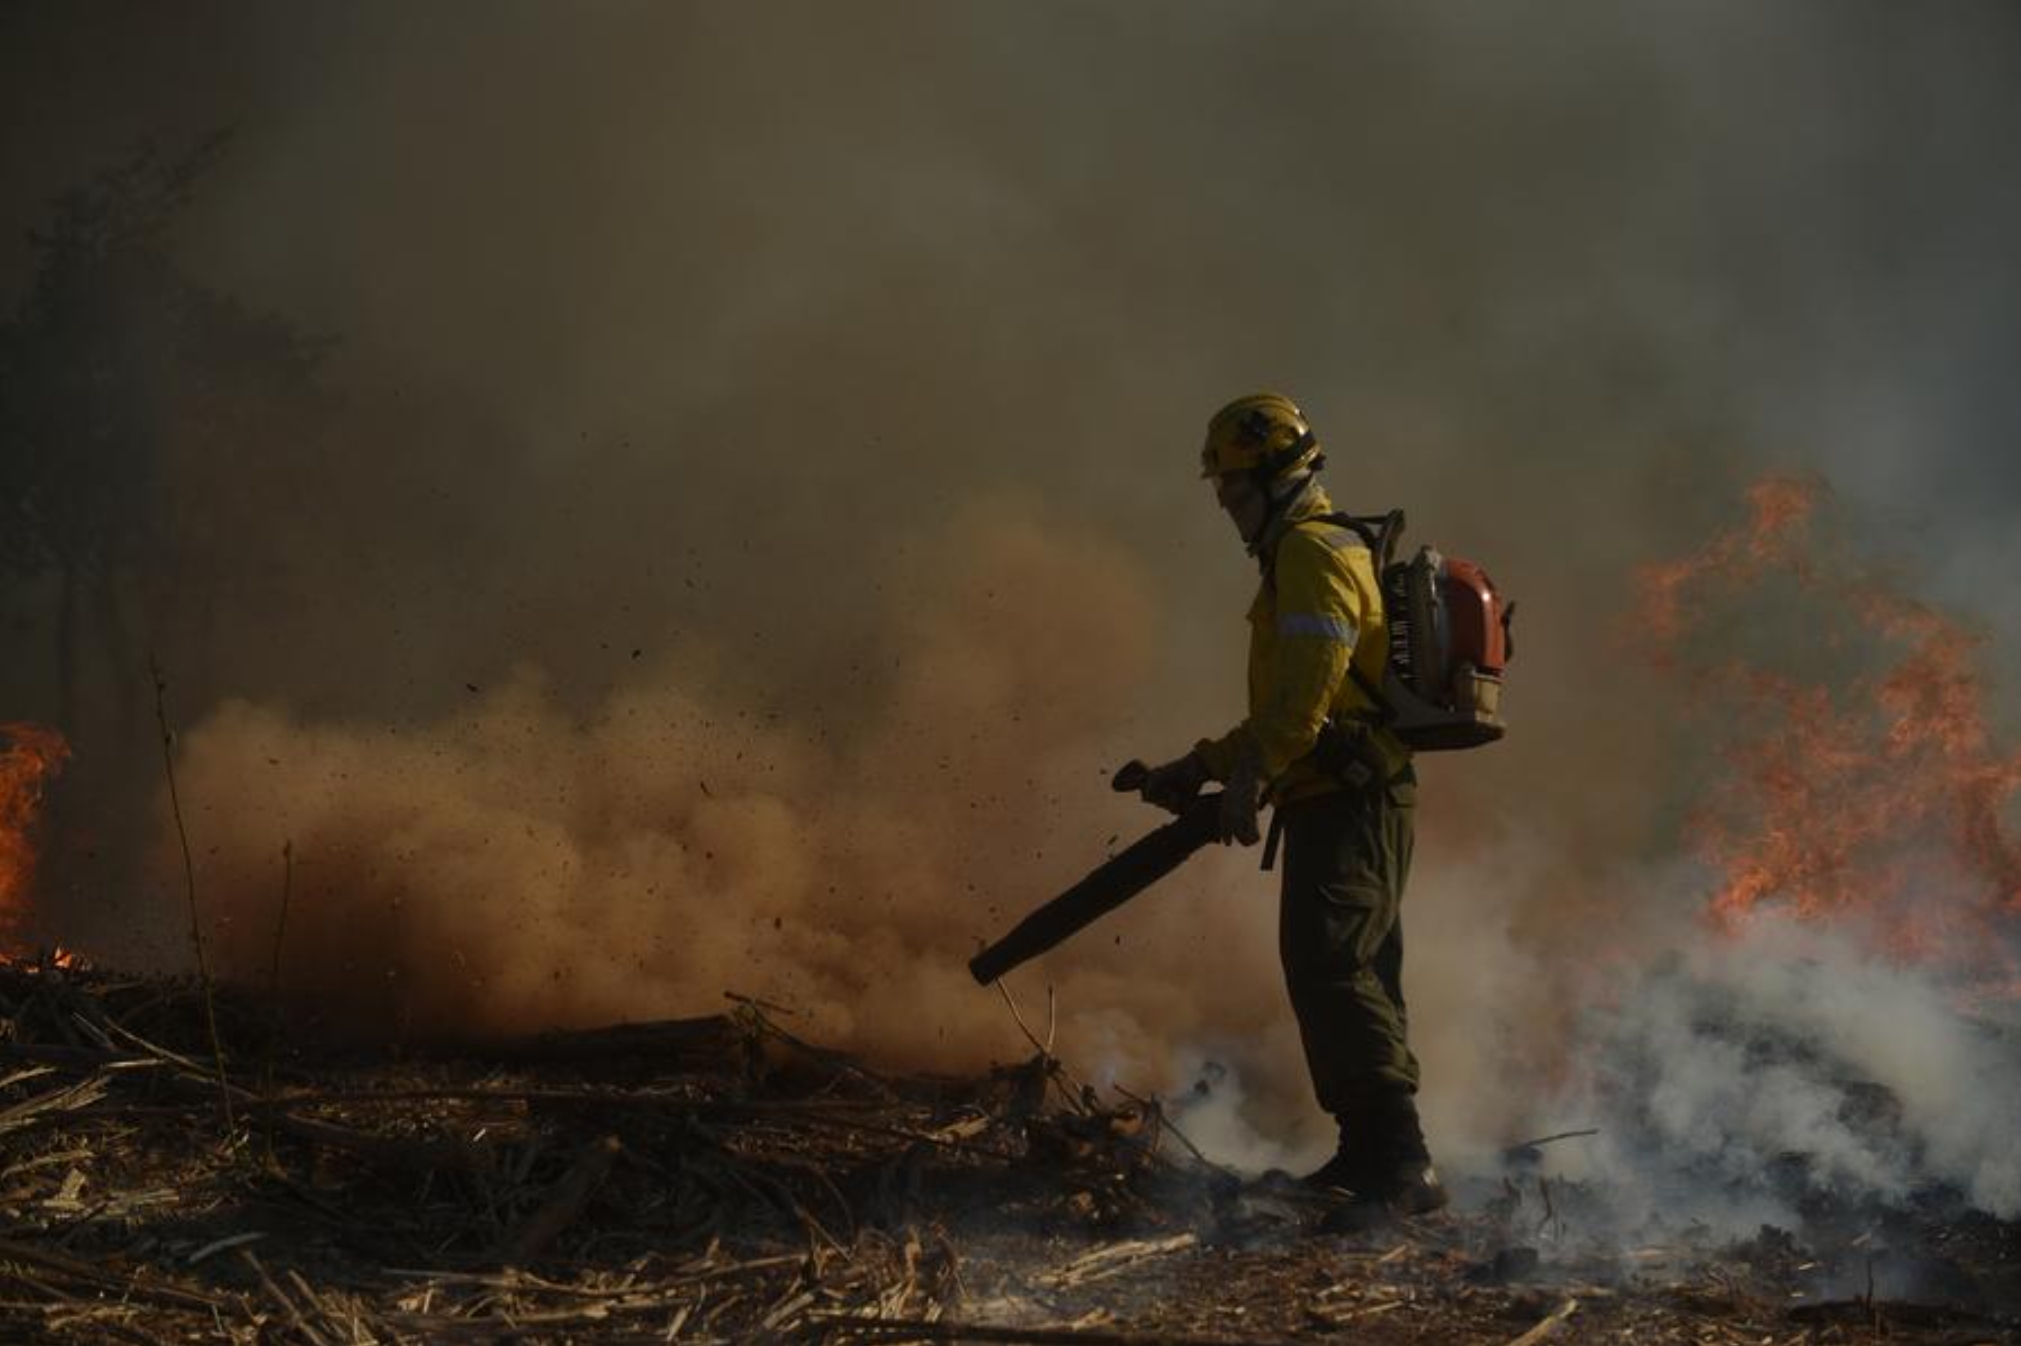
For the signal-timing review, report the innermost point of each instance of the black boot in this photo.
(1399, 1174)
(1342, 1173)
(1347, 1171)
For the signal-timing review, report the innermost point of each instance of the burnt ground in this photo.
(721, 1180)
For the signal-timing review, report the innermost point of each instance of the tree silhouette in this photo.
(132, 397)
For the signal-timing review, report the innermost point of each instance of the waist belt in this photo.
(1346, 751)
(1345, 754)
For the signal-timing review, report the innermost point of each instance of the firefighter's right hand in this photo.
(1241, 797)
(1175, 784)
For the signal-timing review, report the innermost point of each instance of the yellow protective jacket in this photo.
(1319, 607)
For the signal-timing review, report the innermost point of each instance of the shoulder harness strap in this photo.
(1380, 533)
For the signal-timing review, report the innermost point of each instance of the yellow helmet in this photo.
(1263, 432)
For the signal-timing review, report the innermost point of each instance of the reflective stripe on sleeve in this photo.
(1317, 624)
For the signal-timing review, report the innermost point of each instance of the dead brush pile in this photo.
(721, 1180)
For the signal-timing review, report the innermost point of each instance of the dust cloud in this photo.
(515, 867)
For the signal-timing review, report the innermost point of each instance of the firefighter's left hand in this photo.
(1173, 786)
(1240, 799)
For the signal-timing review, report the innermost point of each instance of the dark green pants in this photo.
(1340, 935)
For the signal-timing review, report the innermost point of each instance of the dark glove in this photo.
(1172, 786)
(1241, 797)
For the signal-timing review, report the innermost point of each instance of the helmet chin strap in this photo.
(1277, 498)
(1287, 489)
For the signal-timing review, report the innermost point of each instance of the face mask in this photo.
(1247, 507)
(1249, 514)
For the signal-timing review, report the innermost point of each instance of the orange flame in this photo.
(31, 756)
(1878, 798)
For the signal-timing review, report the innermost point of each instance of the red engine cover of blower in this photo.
(1475, 612)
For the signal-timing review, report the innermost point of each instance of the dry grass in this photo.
(720, 1180)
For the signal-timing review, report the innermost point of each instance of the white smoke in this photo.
(1216, 1113)
(1740, 1074)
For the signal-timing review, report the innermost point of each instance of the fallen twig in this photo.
(449, 1154)
(930, 1329)
(1070, 1088)
(1562, 1135)
(223, 1245)
(564, 1203)
(131, 1287)
(1157, 1108)
(280, 1298)
(1548, 1325)
(1114, 1258)
(69, 1098)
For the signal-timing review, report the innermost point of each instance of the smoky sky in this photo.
(662, 324)
(795, 272)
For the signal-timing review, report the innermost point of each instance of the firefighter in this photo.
(1341, 789)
